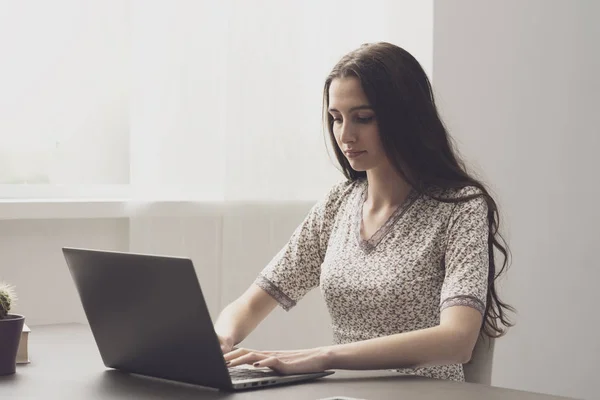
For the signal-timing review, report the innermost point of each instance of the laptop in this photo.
(148, 317)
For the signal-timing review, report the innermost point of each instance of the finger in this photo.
(236, 353)
(249, 358)
(271, 362)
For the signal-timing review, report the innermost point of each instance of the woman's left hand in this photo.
(284, 362)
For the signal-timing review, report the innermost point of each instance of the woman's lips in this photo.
(354, 154)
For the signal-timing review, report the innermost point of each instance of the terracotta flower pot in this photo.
(10, 335)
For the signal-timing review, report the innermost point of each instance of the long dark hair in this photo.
(417, 144)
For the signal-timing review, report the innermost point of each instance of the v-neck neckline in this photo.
(368, 245)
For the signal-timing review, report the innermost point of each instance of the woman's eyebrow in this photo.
(361, 107)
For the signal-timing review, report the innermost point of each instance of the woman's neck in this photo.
(387, 188)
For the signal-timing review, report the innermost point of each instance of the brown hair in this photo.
(416, 140)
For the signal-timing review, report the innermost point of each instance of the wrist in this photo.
(327, 357)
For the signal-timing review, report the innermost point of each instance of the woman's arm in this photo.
(242, 316)
(291, 273)
(451, 342)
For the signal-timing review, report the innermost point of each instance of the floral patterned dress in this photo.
(429, 255)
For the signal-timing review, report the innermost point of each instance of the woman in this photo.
(403, 249)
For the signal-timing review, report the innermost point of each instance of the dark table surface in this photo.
(65, 364)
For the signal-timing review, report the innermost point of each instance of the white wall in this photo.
(518, 84)
(32, 260)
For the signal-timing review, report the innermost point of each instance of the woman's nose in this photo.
(347, 133)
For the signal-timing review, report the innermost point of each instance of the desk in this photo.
(65, 364)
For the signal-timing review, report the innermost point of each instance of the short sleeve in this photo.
(296, 268)
(466, 259)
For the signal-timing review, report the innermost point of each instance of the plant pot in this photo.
(10, 335)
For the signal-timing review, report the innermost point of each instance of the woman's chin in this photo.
(358, 166)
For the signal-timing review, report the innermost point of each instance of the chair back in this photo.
(479, 368)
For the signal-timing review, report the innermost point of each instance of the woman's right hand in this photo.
(226, 343)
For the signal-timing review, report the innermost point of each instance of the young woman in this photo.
(403, 249)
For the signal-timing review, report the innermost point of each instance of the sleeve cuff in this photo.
(464, 300)
(284, 301)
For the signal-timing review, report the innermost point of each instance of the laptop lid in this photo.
(148, 315)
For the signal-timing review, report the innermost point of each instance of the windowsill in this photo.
(122, 201)
(90, 208)
(11, 209)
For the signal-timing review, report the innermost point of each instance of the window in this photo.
(188, 99)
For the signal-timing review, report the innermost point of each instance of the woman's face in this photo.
(355, 125)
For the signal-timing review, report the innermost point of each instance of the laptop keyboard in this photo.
(248, 373)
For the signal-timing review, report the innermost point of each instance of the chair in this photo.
(479, 368)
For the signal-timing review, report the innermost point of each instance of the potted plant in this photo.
(11, 326)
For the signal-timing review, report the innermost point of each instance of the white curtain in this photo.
(191, 99)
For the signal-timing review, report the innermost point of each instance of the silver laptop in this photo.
(148, 316)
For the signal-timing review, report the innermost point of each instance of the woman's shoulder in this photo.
(344, 188)
(466, 192)
(340, 192)
(454, 201)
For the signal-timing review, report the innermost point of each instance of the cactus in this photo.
(7, 299)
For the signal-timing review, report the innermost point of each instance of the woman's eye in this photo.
(338, 120)
(364, 120)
